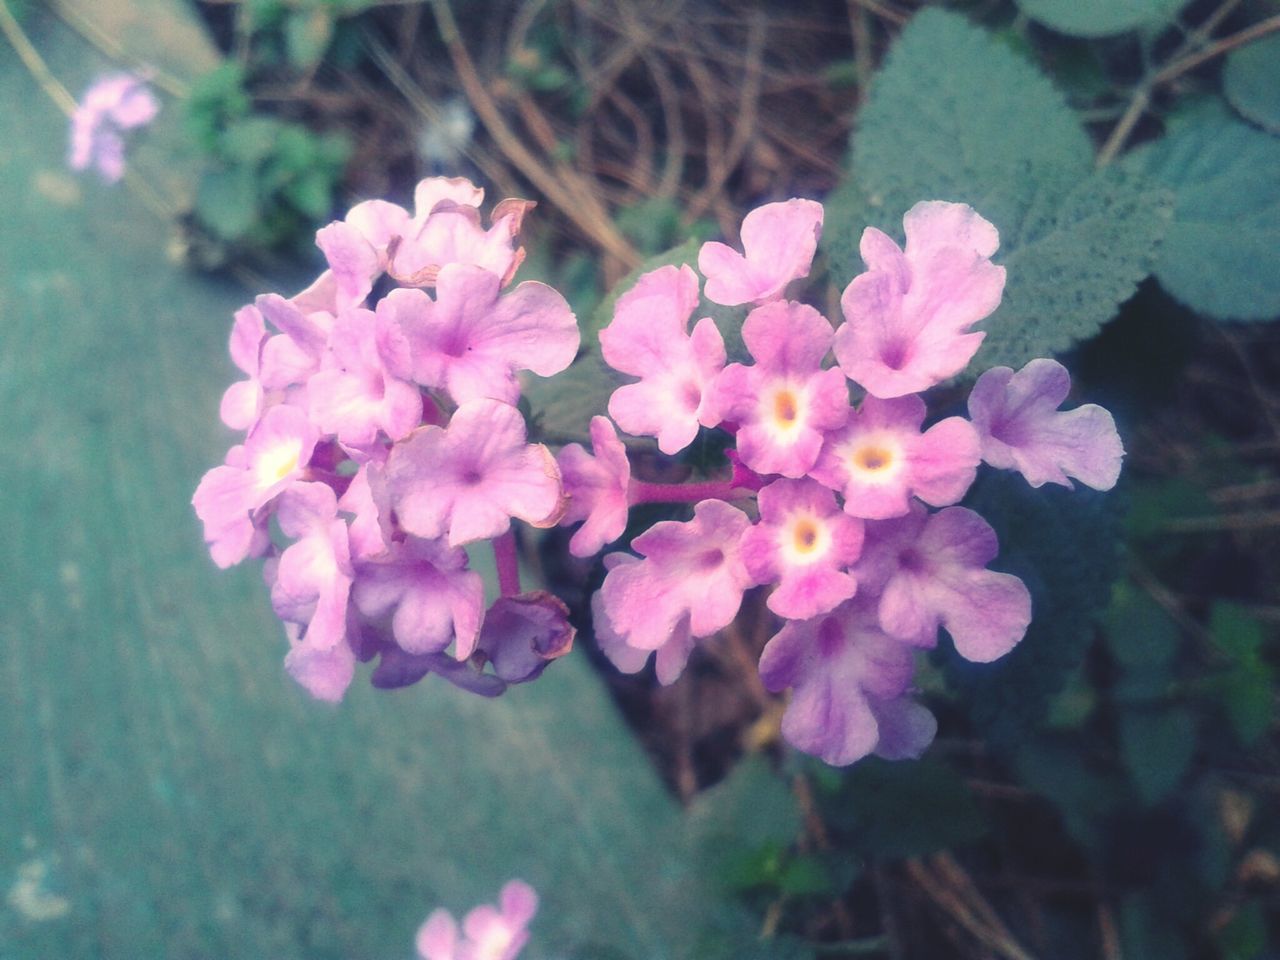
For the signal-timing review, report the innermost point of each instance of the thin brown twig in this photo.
(1141, 97)
(564, 188)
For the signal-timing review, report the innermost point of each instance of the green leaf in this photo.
(888, 809)
(957, 115)
(1249, 685)
(561, 407)
(1218, 255)
(1245, 936)
(306, 35)
(251, 140)
(227, 201)
(186, 797)
(1251, 82)
(1100, 18)
(752, 807)
(1140, 632)
(1058, 769)
(1156, 745)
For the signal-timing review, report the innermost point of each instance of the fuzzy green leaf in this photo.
(956, 115)
(1219, 254)
(1100, 18)
(1251, 83)
(1157, 744)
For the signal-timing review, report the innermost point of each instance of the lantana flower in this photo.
(468, 480)
(113, 104)
(784, 403)
(1022, 429)
(425, 591)
(880, 459)
(778, 240)
(930, 571)
(849, 679)
(805, 543)
(648, 338)
(908, 317)
(471, 339)
(273, 456)
(487, 933)
(595, 485)
(691, 571)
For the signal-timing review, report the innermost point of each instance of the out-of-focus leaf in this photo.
(887, 809)
(1140, 632)
(752, 807)
(1219, 254)
(227, 201)
(1156, 745)
(1100, 18)
(1058, 769)
(1146, 933)
(561, 408)
(307, 33)
(1244, 937)
(1248, 687)
(956, 115)
(1251, 82)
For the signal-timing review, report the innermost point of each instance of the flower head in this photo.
(114, 103)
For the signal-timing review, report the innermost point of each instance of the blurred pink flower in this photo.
(112, 104)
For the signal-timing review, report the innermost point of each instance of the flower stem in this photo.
(508, 564)
(641, 492)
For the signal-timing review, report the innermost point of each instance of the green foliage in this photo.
(1063, 544)
(1251, 82)
(1248, 684)
(266, 181)
(956, 115)
(1156, 746)
(1218, 256)
(887, 809)
(1100, 18)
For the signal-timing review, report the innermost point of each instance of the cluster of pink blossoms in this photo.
(487, 932)
(828, 502)
(384, 437)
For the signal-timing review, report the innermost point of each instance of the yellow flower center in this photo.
(276, 464)
(873, 458)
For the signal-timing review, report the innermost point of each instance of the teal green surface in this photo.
(165, 790)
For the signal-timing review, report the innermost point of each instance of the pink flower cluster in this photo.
(487, 932)
(382, 438)
(112, 104)
(829, 502)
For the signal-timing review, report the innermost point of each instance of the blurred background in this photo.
(1110, 790)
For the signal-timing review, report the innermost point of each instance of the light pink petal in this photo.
(437, 938)
(596, 488)
(353, 260)
(779, 241)
(1021, 428)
